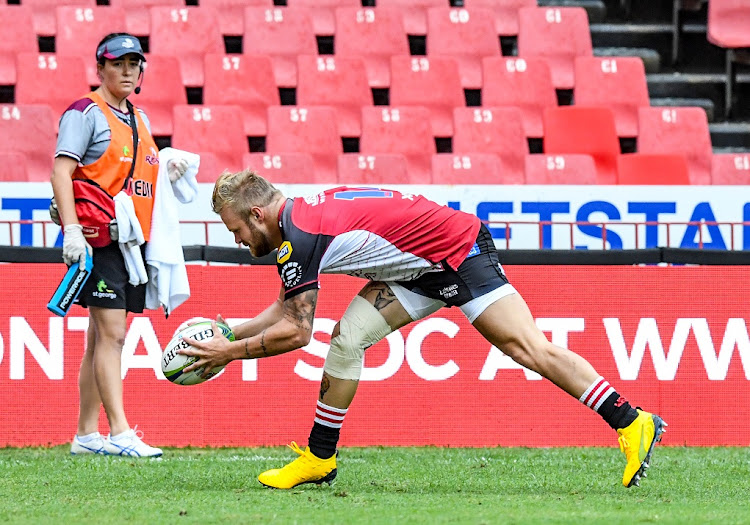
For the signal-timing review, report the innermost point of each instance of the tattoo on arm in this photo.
(300, 309)
(247, 352)
(263, 343)
(325, 384)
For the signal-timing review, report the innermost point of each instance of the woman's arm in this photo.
(62, 188)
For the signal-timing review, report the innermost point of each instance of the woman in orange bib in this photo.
(97, 143)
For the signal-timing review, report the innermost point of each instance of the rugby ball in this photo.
(173, 363)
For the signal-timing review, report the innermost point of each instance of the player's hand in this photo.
(75, 246)
(176, 169)
(210, 354)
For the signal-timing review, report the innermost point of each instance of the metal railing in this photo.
(44, 233)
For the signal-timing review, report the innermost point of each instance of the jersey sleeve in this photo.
(298, 262)
(75, 135)
(146, 121)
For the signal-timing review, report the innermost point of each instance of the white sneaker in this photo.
(129, 444)
(93, 446)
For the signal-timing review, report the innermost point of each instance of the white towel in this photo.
(168, 285)
(130, 238)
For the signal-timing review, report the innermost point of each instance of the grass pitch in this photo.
(377, 485)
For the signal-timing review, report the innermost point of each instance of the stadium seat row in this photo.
(409, 130)
(406, 131)
(342, 82)
(466, 34)
(414, 14)
(453, 169)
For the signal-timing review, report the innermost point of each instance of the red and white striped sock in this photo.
(613, 408)
(329, 416)
(595, 394)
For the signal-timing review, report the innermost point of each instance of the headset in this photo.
(127, 39)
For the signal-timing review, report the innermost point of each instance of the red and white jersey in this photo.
(381, 235)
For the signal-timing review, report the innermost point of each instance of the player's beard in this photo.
(260, 244)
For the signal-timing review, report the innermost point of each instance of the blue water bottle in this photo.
(70, 287)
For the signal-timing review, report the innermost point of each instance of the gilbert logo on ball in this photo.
(173, 363)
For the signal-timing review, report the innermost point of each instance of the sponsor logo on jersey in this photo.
(285, 251)
(291, 274)
(153, 159)
(449, 291)
(103, 291)
(126, 155)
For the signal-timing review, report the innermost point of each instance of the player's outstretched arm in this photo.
(293, 330)
(268, 317)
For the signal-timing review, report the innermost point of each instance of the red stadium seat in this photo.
(470, 168)
(376, 169)
(161, 89)
(137, 14)
(560, 169)
(322, 12)
(188, 33)
(680, 130)
(231, 13)
(731, 169)
(375, 35)
(405, 130)
(282, 34)
(56, 81)
(467, 35)
(505, 13)
(429, 82)
(29, 130)
(337, 82)
(590, 131)
(729, 23)
(245, 81)
(211, 129)
(729, 27)
(649, 168)
(210, 168)
(282, 168)
(414, 13)
(525, 83)
(558, 34)
(493, 130)
(312, 130)
(80, 29)
(617, 83)
(45, 22)
(18, 37)
(14, 167)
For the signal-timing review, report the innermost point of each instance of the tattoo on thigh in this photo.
(325, 384)
(383, 295)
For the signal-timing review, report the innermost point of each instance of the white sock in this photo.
(88, 437)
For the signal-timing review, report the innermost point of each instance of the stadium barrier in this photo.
(672, 339)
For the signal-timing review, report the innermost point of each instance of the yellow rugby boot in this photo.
(637, 442)
(307, 468)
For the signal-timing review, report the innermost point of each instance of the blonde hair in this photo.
(241, 191)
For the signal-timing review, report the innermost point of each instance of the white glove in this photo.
(176, 168)
(75, 246)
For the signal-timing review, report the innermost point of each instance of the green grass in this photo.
(377, 485)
